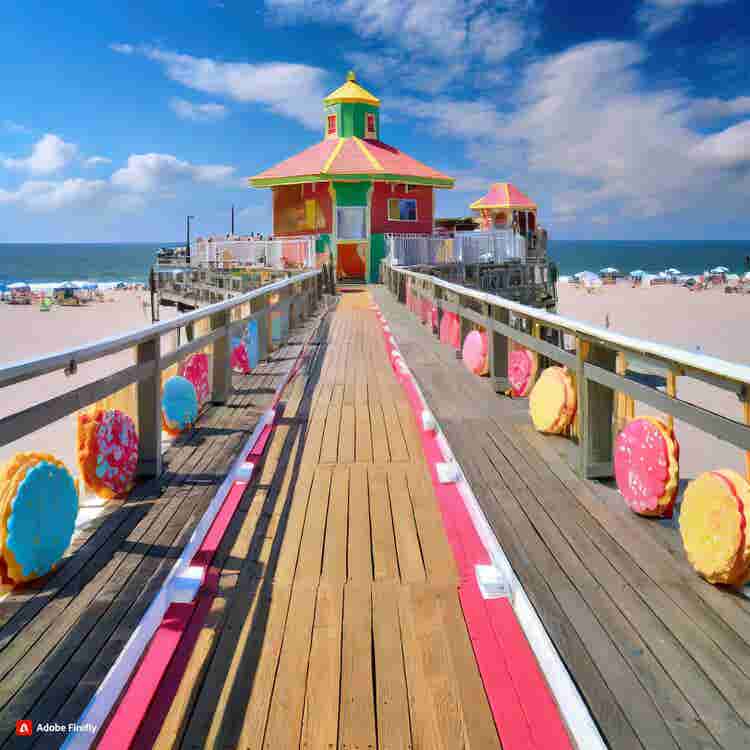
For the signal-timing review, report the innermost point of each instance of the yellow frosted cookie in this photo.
(552, 402)
(713, 526)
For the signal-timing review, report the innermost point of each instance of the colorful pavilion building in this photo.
(351, 188)
(506, 207)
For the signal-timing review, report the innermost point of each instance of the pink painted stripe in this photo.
(525, 712)
(125, 721)
(260, 445)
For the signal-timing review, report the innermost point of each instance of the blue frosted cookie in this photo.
(179, 405)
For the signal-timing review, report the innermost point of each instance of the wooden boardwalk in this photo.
(661, 658)
(337, 622)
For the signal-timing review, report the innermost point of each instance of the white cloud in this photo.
(49, 154)
(430, 43)
(14, 127)
(659, 15)
(186, 110)
(730, 148)
(588, 131)
(714, 108)
(289, 89)
(123, 49)
(40, 195)
(95, 161)
(157, 172)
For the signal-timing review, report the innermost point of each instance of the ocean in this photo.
(130, 262)
(691, 257)
(37, 263)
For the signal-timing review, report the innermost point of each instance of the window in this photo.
(370, 125)
(331, 124)
(402, 209)
(351, 224)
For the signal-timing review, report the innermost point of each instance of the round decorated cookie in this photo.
(38, 509)
(474, 352)
(252, 345)
(713, 525)
(450, 330)
(647, 466)
(434, 318)
(179, 405)
(238, 359)
(552, 402)
(107, 452)
(195, 369)
(522, 369)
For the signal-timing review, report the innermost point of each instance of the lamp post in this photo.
(187, 243)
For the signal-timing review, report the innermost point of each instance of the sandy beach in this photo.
(669, 314)
(715, 321)
(27, 332)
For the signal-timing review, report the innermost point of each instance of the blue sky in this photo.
(627, 120)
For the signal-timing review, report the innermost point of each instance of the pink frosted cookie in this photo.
(475, 352)
(647, 466)
(238, 359)
(522, 368)
(434, 317)
(450, 330)
(425, 310)
(195, 369)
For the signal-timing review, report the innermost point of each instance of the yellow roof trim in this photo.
(363, 148)
(336, 149)
(351, 91)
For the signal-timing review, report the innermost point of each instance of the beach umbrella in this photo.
(637, 273)
(589, 279)
(609, 269)
(720, 269)
(673, 271)
(747, 276)
(18, 285)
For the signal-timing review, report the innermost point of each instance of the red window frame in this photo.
(331, 124)
(370, 124)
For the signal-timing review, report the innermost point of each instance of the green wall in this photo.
(377, 253)
(323, 243)
(350, 118)
(351, 193)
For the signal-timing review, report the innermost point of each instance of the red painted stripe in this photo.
(124, 723)
(525, 712)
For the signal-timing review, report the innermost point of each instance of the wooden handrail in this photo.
(593, 364)
(306, 288)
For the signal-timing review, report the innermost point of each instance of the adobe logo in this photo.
(24, 728)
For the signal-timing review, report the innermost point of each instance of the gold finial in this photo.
(351, 76)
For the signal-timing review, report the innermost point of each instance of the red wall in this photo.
(289, 207)
(380, 195)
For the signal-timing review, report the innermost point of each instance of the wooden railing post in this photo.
(596, 410)
(497, 350)
(222, 369)
(149, 410)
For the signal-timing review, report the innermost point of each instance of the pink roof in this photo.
(352, 156)
(504, 195)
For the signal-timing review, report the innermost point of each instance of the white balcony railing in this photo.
(285, 252)
(465, 247)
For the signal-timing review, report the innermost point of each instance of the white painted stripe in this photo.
(573, 708)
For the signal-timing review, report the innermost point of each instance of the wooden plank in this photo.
(439, 563)
(380, 451)
(329, 447)
(311, 548)
(334, 554)
(321, 717)
(359, 545)
(396, 441)
(392, 700)
(480, 729)
(408, 549)
(357, 712)
(363, 432)
(385, 561)
(284, 726)
(347, 443)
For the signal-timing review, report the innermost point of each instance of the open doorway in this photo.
(350, 262)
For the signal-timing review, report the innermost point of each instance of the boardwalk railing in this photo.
(595, 358)
(296, 297)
